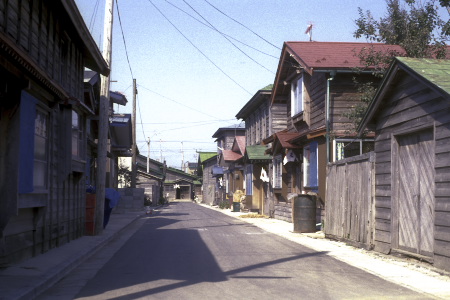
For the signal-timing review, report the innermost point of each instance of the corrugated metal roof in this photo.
(229, 155)
(257, 152)
(436, 71)
(206, 155)
(333, 55)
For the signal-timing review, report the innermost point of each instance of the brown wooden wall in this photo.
(38, 28)
(350, 200)
(410, 108)
(37, 45)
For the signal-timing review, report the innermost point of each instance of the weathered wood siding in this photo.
(409, 109)
(209, 182)
(278, 117)
(350, 200)
(36, 45)
(317, 94)
(37, 28)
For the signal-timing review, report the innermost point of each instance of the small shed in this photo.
(410, 114)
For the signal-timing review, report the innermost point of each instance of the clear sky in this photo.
(191, 79)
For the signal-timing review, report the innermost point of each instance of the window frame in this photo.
(249, 180)
(277, 174)
(45, 160)
(297, 105)
(336, 156)
(77, 134)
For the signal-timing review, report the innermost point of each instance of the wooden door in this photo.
(416, 193)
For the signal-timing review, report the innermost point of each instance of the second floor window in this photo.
(40, 150)
(277, 172)
(297, 96)
(77, 134)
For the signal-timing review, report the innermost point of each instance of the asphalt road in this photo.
(187, 251)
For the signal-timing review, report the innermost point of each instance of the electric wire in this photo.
(203, 113)
(198, 49)
(94, 16)
(242, 25)
(215, 29)
(123, 37)
(212, 26)
(140, 116)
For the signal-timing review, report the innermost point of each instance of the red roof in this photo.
(285, 137)
(333, 55)
(229, 155)
(240, 142)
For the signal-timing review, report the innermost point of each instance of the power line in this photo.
(198, 49)
(123, 37)
(140, 116)
(178, 102)
(94, 16)
(193, 122)
(228, 39)
(222, 33)
(242, 25)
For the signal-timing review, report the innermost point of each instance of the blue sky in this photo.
(191, 80)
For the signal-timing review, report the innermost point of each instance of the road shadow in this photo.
(178, 256)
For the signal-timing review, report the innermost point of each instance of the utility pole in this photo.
(102, 147)
(148, 155)
(133, 126)
(182, 158)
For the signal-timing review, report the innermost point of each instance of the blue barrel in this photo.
(304, 213)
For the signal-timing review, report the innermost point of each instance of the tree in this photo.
(124, 175)
(415, 26)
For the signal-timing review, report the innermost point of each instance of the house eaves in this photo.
(311, 57)
(93, 57)
(433, 72)
(233, 128)
(253, 103)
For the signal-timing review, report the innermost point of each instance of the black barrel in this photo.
(304, 213)
(236, 206)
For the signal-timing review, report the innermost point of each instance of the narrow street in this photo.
(187, 251)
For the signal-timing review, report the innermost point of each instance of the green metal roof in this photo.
(436, 71)
(206, 155)
(257, 152)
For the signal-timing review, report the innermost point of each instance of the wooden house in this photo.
(315, 80)
(261, 121)
(206, 162)
(44, 48)
(234, 174)
(225, 139)
(179, 185)
(410, 114)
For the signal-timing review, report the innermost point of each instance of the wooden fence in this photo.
(350, 202)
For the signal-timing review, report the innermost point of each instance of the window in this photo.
(277, 172)
(310, 172)
(77, 135)
(249, 180)
(345, 148)
(297, 96)
(40, 150)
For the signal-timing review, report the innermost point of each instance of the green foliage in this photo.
(415, 25)
(124, 175)
(224, 205)
(367, 91)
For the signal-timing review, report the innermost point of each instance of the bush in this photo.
(224, 205)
